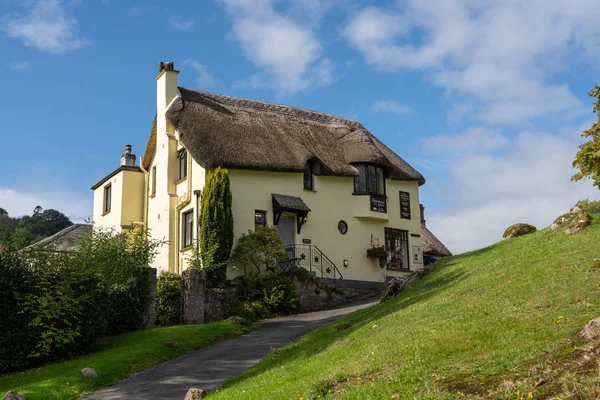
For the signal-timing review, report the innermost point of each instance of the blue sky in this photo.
(486, 99)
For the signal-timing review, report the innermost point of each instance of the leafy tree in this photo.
(260, 250)
(21, 232)
(587, 159)
(216, 226)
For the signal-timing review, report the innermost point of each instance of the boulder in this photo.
(169, 344)
(89, 372)
(561, 221)
(591, 331)
(195, 394)
(12, 395)
(518, 230)
(578, 224)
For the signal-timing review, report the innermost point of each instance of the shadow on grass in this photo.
(319, 340)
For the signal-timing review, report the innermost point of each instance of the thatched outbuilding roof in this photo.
(66, 240)
(236, 133)
(432, 245)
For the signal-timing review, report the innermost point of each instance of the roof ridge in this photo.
(281, 108)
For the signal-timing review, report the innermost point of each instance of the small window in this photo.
(187, 233)
(182, 156)
(396, 245)
(107, 199)
(308, 176)
(153, 180)
(343, 227)
(370, 180)
(260, 219)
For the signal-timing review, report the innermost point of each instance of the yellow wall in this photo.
(331, 202)
(127, 201)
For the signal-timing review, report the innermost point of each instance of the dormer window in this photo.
(308, 176)
(370, 180)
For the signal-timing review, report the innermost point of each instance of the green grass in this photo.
(482, 324)
(115, 358)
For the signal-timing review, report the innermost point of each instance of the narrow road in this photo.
(209, 367)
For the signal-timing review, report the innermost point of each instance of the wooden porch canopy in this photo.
(284, 203)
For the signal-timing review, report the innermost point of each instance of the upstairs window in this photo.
(308, 176)
(107, 199)
(370, 180)
(182, 156)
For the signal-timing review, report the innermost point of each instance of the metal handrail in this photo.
(315, 262)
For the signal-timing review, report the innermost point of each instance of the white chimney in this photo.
(128, 159)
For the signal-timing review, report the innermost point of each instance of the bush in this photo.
(16, 284)
(168, 299)
(68, 307)
(121, 260)
(301, 273)
(258, 251)
(265, 295)
(51, 309)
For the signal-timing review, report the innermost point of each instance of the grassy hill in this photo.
(500, 322)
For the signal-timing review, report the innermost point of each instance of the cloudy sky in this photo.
(485, 98)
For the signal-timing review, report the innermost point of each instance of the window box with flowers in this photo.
(378, 252)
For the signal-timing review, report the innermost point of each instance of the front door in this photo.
(286, 230)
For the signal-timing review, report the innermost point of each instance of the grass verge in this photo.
(115, 358)
(499, 323)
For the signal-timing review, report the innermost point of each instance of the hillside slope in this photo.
(500, 322)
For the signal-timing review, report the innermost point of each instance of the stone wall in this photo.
(218, 304)
(320, 293)
(193, 296)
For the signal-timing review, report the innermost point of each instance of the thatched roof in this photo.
(66, 240)
(230, 132)
(431, 244)
(150, 147)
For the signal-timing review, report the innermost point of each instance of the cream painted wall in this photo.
(331, 202)
(127, 201)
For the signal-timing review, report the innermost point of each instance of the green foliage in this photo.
(168, 299)
(116, 358)
(301, 273)
(258, 251)
(68, 307)
(265, 295)
(216, 226)
(587, 159)
(21, 232)
(52, 308)
(121, 260)
(16, 285)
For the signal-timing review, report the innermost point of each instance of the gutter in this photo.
(186, 201)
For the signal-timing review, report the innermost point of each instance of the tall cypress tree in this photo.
(216, 225)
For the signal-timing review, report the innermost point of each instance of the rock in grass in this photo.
(169, 344)
(238, 320)
(89, 372)
(12, 395)
(195, 394)
(579, 223)
(518, 230)
(592, 330)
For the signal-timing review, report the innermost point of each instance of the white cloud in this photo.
(473, 139)
(22, 202)
(47, 27)
(391, 106)
(204, 78)
(504, 54)
(288, 52)
(486, 193)
(181, 23)
(19, 66)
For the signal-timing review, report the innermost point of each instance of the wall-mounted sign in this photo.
(417, 255)
(379, 204)
(405, 205)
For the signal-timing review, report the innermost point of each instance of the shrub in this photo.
(16, 284)
(68, 307)
(258, 251)
(168, 299)
(301, 273)
(121, 260)
(216, 226)
(265, 295)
